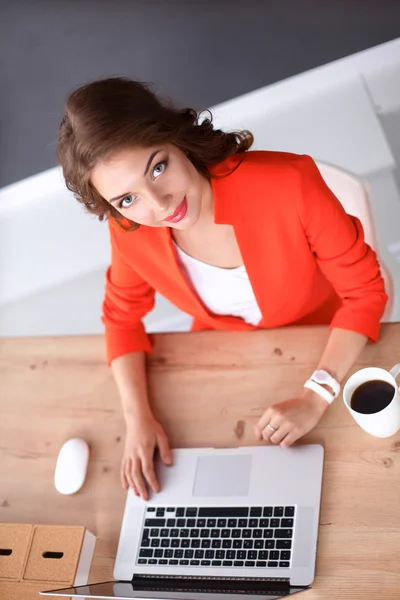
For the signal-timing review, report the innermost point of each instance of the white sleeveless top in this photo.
(222, 291)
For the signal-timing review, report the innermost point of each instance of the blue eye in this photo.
(126, 202)
(159, 168)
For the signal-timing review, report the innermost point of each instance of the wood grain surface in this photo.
(208, 389)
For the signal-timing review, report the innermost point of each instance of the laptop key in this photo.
(164, 533)
(284, 544)
(184, 533)
(185, 543)
(145, 542)
(267, 511)
(160, 512)
(164, 543)
(175, 543)
(257, 533)
(219, 511)
(258, 544)
(210, 553)
(151, 509)
(181, 522)
(211, 523)
(216, 563)
(205, 543)
(252, 554)
(289, 511)
(146, 553)
(253, 523)
(221, 523)
(152, 561)
(256, 511)
(168, 553)
(284, 564)
(227, 563)
(195, 563)
(227, 543)
(171, 522)
(194, 533)
(154, 532)
(283, 533)
(241, 554)
(154, 523)
(243, 523)
(220, 554)
(249, 563)
(201, 523)
(191, 511)
(269, 544)
(285, 555)
(268, 533)
(263, 555)
(264, 523)
(275, 523)
(278, 511)
(246, 533)
(199, 554)
(155, 542)
(170, 509)
(158, 553)
(261, 563)
(177, 553)
(287, 522)
(174, 533)
(184, 562)
(173, 561)
(142, 561)
(163, 561)
(205, 563)
(180, 512)
(226, 533)
(195, 543)
(237, 543)
(215, 533)
(191, 523)
(232, 523)
(238, 563)
(216, 544)
(231, 554)
(236, 533)
(189, 553)
(248, 544)
(274, 555)
(273, 563)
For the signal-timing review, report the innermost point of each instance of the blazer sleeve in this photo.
(128, 298)
(348, 263)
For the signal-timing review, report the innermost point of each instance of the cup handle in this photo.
(395, 371)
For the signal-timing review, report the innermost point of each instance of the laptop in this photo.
(240, 521)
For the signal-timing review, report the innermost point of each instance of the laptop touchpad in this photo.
(222, 475)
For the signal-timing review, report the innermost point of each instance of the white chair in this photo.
(352, 193)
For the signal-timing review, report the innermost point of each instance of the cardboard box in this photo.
(16, 590)
(15, 540)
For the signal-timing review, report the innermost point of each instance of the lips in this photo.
(179, 213)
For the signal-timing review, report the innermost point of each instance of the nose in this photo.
(159, 202)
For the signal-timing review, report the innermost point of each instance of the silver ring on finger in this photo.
(271, 427)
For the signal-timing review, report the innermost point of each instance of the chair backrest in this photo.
(353, 196)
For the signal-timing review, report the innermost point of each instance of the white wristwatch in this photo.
(320, 378)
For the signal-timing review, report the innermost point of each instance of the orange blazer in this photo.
(306, 258)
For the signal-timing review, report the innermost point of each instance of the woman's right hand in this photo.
(143, 436)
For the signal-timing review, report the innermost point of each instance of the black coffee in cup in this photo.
(372, 396)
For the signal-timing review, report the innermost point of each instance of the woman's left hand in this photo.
(291, 419)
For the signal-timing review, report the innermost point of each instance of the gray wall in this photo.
(198, 52)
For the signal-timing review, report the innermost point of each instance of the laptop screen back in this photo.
(125, 591)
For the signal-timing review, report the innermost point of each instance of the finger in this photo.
(128, 476)
(263, 422)
(282, 431)
(149, 473)
(164, 449)
(138, 479)
(268, 432)
(291, 437)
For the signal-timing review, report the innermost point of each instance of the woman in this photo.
(240, 240)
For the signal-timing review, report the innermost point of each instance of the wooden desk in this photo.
(208, 389)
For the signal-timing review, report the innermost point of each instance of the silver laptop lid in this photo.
(126, 591)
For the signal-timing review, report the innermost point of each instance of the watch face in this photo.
(323, 376)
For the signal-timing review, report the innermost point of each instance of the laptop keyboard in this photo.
(234, 536)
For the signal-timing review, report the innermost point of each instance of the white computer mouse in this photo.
(71, 467)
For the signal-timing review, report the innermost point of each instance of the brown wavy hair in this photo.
(106, 116)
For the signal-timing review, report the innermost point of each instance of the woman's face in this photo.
(157, 186)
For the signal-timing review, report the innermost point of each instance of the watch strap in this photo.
(321, 391)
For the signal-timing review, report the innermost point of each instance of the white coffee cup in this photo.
(386, 422)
